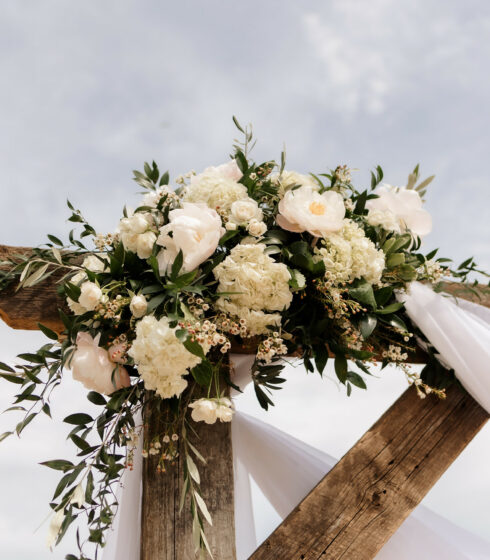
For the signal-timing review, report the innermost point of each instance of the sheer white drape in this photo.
(286, 469)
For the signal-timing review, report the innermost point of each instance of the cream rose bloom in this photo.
(256, 228)
(90, 364)
(218, 187)
(194, 229)
(90, 295)
(243, 211)
(399, 209)
(305, 209)
(138, 306)
(211, 410)
(136, 234)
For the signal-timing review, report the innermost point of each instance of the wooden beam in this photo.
(363, 500)
(166, 534)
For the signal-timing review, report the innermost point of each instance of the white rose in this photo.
(90, 295)
(138, 306)
(95, 263)
(231, 226)
(399, 209)
(135, 234)
(305, 209)
(256, 228)
(90, 364)
(144, 244)
(195, 230)
(242, 211)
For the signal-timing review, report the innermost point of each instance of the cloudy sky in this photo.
(90, 90)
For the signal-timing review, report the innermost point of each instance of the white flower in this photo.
(162, 360)
(138, 306)
(349, 254)
(54, 528)
(204, 410)
(243, 211)
(90, 364)
(218, 187)
(74, 306)
(305, 209)
(399, 209)
(144, 244)
(289, 179)
(210, 410)
(260, 284)
(136, 234)
(194, 229)
(231, 226)
(256, 228)
(90, 295)
(96, 263)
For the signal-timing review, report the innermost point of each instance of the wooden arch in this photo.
(350, 514)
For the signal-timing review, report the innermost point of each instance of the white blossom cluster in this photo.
(349, 254)
(161, 359)
(257, 284)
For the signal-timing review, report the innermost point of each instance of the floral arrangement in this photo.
(240, 255)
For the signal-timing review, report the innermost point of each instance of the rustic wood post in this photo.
(166, 534)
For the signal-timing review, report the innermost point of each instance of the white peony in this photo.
(256, 228)
(90, 295)
(90, 364)
(161, 359)
(399, 209)
(138, 306)
(259, 284)
(218, 187)
(349, 254)
(289, 179)
(243, 211)
(194, 229)
(305, 209)
(211, 410)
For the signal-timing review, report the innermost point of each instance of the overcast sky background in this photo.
(90, 90)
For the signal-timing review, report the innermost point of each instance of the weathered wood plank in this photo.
(355, 509)
(166, 534)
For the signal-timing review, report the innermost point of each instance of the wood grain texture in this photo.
(363, 500)
(166, 534)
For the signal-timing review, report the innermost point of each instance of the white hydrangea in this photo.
(260, 284)
(349, 254)
(217, 188)
(161, 359)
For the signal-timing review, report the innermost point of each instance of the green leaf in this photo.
(203, 507)
(367, 325)
(5, 367)
(80, 442)
(191, 467)
(96, 398)
(395, 259)
(5, 435)
(194, 348)
(341, 368)
(177, 265)
(392, 308)
(77, 419)
(58, 465)
(364, 294)
(48, 332)
(55, 240)
(321, 357)
(356, 380)
(203, 373)
(383, 295)
(165, 178)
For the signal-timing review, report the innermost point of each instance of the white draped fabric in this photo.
(286, 469)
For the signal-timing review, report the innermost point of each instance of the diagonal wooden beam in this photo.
(363, 500)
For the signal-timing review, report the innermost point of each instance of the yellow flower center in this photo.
(317, 208)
